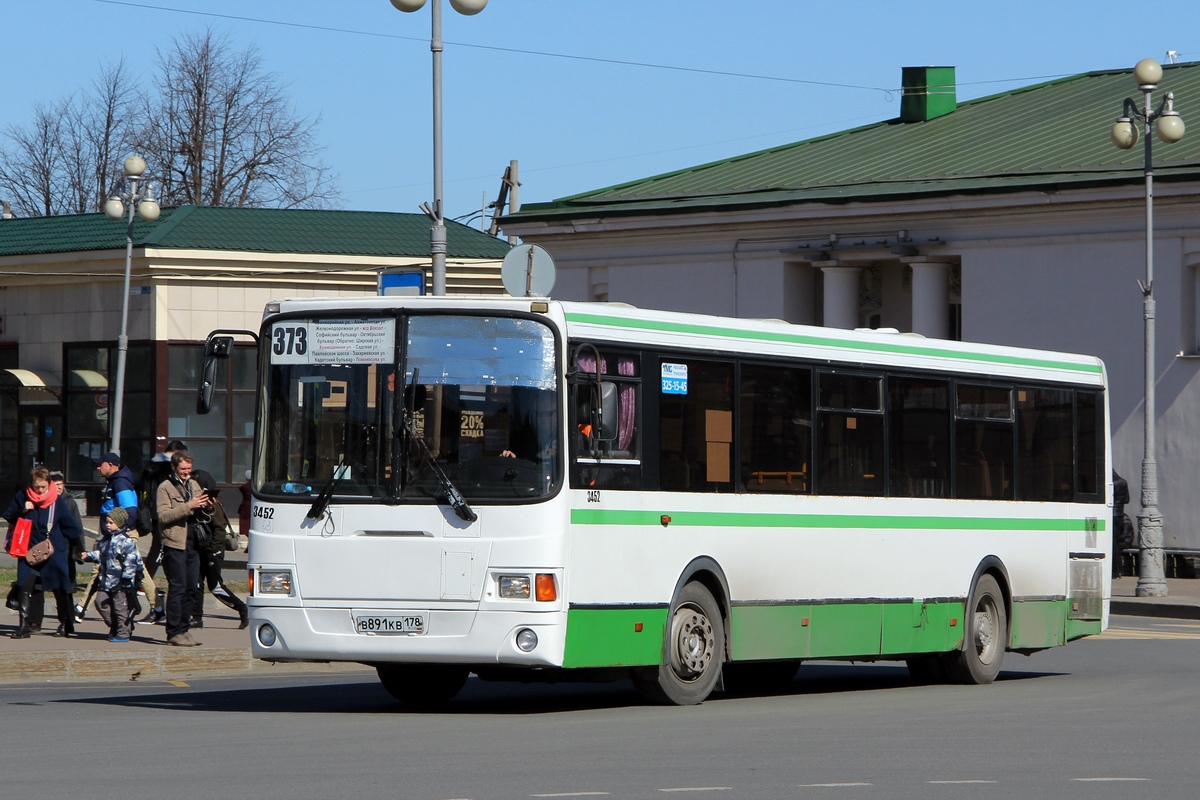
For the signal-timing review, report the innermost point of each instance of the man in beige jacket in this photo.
(178, 498)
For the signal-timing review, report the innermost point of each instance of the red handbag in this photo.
(18, 537)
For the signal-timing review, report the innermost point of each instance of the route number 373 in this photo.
(289, 341)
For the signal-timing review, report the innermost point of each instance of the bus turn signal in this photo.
(546, 590)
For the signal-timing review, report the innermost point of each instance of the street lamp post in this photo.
(1151, 576)
(437, 232)
(141, 196)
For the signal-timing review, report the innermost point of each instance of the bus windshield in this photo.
(476, 407)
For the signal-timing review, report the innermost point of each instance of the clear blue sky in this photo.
(535, 80)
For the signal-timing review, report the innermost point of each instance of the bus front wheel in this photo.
(694, 650)
(985, 638)
(422, 686)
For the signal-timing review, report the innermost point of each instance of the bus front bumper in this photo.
(450, 637)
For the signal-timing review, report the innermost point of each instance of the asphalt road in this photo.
(1112, 716)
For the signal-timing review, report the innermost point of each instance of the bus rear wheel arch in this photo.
(693, 652)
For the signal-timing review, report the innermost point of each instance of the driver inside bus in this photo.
(534, 439)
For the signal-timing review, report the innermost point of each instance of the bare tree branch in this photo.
(32, 170)
(222, 132)
(217, 129)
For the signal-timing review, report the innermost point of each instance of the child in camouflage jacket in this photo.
(118, 575)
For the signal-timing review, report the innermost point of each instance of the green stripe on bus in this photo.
(824, 341)
(721, 519)
(621, 636)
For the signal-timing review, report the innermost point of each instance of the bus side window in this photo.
(776, 429)
(849, 434)
(1045, 451)
(608, 458)
(696, 426)
(919, 437)
(983, 442)
(1090, 444)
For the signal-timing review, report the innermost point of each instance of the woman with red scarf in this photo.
(51, 518)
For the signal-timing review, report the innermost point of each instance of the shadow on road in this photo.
(329, 694)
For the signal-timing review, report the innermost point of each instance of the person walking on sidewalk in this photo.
(179, 498)
(149, 526)
(51, 519)
(60, 483)
(118, 575)
(118, 487)
(212, 556)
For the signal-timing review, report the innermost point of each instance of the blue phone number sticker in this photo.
(674, 379)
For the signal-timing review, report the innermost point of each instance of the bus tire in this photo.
(422, 686)
(692, 657)
(985, 637)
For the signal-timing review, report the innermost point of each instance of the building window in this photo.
(87, 399)
(221, 441)
(10, 468)
(1191, 306)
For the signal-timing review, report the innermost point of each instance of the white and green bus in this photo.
(539, 490)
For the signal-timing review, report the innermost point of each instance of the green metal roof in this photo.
(1051, 135)
(270, 230)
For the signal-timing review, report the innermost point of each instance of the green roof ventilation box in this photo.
(926, 93)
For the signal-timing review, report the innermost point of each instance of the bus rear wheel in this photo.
(692, 660)
(422, 686)
(985, 637)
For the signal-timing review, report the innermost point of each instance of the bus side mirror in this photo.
(215, 348)
(604, 418)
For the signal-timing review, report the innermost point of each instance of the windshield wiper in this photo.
(453, 495)
(326, 494)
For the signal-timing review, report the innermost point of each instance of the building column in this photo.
(931, 298)
(841, 295)
(1191, 301)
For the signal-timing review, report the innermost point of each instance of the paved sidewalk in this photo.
(225, 648)
(1182, 600)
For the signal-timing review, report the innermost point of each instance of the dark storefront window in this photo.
(87, 374)
(10, 468)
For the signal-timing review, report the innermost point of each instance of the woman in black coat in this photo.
(51, 517)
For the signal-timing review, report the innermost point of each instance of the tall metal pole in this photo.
(1152, 580)
(118, 403)
(437, 232)
(147, 208)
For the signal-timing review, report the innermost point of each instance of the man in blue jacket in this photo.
(119, 491)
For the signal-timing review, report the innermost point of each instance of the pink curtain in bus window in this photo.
(628, 403)
(626, 395)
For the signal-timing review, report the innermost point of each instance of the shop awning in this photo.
(88, 378)
(31, 386)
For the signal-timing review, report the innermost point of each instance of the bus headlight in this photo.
(275, 581)
(514, 586)
(266, 635)
(526, 640)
